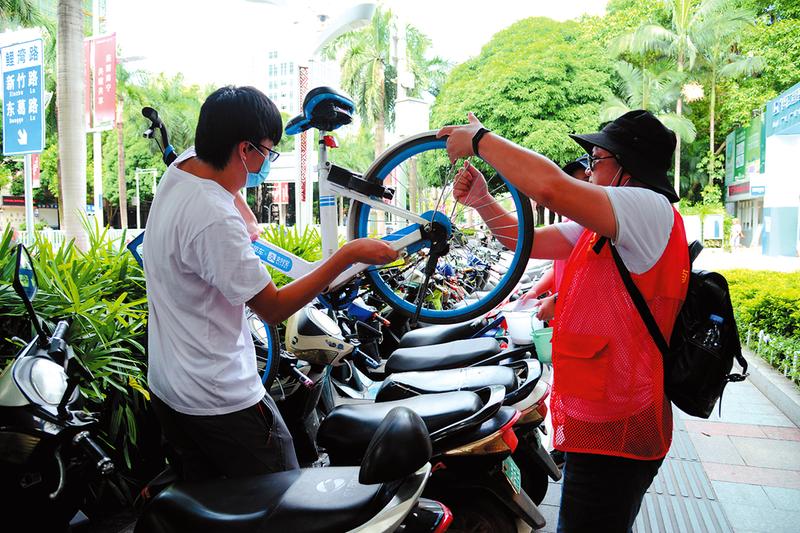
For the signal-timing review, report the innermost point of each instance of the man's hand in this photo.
(370, 251)
(547, 308)
(459, 138)
(470, 186)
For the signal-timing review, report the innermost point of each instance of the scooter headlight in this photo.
(49, 380)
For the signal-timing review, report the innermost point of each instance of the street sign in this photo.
(23, 98)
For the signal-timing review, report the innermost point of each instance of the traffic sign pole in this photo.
(29, 224)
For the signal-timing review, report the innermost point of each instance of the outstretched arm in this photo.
(536, 176)
(470, 189)
(275, 305)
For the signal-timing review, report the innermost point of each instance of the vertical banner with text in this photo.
(105, 80)
(36, 171)
(87, 79)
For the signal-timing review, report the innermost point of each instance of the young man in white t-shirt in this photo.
(615, 436)
(201, 272)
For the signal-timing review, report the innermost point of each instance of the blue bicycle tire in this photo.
(268, 356)
(358, 226)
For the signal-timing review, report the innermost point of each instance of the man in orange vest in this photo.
(610, 414)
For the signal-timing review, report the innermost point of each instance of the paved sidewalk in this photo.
(747, 258)
(736, 472)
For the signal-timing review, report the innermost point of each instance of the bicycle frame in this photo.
(295, 267)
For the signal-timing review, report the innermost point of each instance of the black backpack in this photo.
(695, 374)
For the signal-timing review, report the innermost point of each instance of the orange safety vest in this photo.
(608, 376)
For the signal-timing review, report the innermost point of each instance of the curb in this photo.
(774, 385)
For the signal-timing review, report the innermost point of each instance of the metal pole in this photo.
(29, 225)
(138, 204)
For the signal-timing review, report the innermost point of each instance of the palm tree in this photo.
(641, 88)
(721, 59)
(369, 75)
(680, 41)
(23, 12)
(71, 135)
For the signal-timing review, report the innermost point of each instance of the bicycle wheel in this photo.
(268, 346)
(478, 271)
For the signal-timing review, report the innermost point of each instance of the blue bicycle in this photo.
(405, 198)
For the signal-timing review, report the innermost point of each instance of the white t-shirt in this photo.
(200, 270)
(644, 223)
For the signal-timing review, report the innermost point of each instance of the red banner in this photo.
(105, 80)
(87, 76)
(35, 171)
(280, 193)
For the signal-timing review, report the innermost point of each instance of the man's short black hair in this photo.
(231, 115)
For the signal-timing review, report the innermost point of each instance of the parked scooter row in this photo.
(473, 433)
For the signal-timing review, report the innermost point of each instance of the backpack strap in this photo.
(636, 296)
(647, 316)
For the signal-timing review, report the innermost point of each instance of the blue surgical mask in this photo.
(254, 179)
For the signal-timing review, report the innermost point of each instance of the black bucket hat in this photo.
(582, 163)
(642, 145)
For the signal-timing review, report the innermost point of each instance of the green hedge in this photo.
(769, 302)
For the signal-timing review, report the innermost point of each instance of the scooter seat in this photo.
(455, 354)
(314, 500)
(440, 333)
(411, 384)
(347, 430)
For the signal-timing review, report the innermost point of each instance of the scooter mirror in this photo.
(26, 285)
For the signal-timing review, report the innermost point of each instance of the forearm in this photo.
(532, 173)
(502, 224)
(287, 300)
(545, 283)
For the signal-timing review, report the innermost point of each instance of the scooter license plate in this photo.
(512, 473)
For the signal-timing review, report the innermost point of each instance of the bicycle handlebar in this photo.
(168, 152)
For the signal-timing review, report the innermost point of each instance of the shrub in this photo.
(769, 302)
(101, 291)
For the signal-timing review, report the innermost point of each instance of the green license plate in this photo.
(512, 473)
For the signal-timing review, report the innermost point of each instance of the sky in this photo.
(225, 41)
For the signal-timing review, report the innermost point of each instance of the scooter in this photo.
(525, 387)
(472, 433)
(382, 495)
(48, 455)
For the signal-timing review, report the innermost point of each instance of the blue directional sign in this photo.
(23, 98)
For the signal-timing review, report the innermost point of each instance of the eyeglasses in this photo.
(594, 159)
(272, 154)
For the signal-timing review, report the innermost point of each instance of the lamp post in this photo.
(352, 18)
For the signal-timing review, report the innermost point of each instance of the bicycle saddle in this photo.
(323, 108)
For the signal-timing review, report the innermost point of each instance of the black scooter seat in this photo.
(410, 384)
(440, 333)
(347, 430)
(315, 500)
(455, 354)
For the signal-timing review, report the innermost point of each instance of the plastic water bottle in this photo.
(713, 333)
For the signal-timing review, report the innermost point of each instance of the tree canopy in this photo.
(534, 83)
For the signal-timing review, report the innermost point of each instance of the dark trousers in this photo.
(602, 493)
(243, 443)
